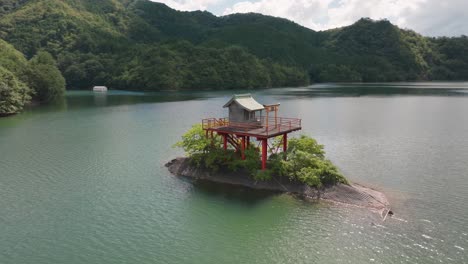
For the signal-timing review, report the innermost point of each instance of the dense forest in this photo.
(143, 45)
(22, 80)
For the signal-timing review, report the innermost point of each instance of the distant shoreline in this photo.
(348, 195)
(268, 88)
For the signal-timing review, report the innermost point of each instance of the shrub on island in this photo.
(303, 162)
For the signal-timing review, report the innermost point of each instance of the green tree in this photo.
(207, 152)
(196, 144)
(45, 78)
(307, 144)
(338, 73)
(14, 94)
(305, 162)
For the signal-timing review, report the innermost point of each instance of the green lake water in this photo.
(84, 181)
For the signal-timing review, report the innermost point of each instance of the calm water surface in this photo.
(84, 181)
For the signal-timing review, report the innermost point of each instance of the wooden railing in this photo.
(266, 125)
(280, 123)
(208, 123)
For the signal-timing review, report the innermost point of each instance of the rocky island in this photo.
(351, 194)
(222, 150)
(301, 171)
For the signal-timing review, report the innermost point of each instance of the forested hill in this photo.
(143, 45)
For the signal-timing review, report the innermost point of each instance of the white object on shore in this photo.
(100, 89)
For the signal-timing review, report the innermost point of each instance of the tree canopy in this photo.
(14, 94)
(21, 81)
(45, 78)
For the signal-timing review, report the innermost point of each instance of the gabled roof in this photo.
(246, 101)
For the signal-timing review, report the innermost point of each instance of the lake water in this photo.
(84, 181)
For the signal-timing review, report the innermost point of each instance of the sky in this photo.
(428, 17)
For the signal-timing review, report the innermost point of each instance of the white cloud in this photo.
(325, 14)
(306, 13)
(429, 17)
(440, 18)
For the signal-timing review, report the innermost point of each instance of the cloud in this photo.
(440, 18)
(325, 14)
(430, 17)
(307, 13)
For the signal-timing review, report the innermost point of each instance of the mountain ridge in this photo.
(144, 45)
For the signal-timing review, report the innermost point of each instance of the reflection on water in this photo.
(83, 181)
(79, 99)
(378, 89)
(100, 99)
(233, 193)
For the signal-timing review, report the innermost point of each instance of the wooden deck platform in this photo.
(238, 134)
(257, 132)
(261, 128)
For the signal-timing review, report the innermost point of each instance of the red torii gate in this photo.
(238, 132)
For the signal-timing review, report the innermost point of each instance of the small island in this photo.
(223, 150)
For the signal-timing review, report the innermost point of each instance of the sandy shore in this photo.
(348, 195)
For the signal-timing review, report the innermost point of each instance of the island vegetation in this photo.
(304, 162)
(143, 45)
(302, 171)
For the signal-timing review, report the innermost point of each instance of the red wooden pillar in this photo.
(243, 148)
(285, 142)
(225, 141)
(211, 134)
(206, 131)
(248, 142)
(264, 152)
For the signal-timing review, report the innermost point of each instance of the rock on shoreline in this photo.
(350, 195)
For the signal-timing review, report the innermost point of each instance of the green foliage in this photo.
(307, 145)
(14, 94)
(309, 176)
(207, 153)
(305, 162)
(451, 63)
(45, 78)
(181, 65)
(8, 6)
(250, 164)
(41, 75)
(263, 175)
(196, 144)
(335, 73)
(12, 59)
(136, 45)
